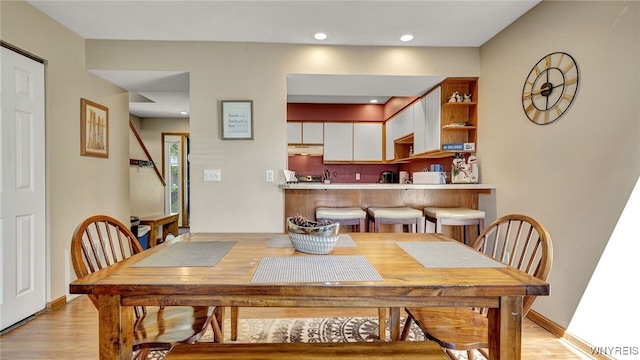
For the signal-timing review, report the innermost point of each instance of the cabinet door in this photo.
(312, 133)
(403, 123)
(419, 126)
(367, 141)
(338, 141)
(294, 133)
(433, 126)
(390, 145)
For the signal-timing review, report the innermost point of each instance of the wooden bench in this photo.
(169, 223)
(424, 350)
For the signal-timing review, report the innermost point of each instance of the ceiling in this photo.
(449, 23)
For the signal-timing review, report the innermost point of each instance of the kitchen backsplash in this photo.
(346, 173)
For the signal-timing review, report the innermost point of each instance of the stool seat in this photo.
(395, 215)
(340, 213)
(453, 213)
(343, 215)
(455, 217)
(394, 212)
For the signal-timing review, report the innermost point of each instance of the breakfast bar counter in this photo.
(485, 188)
(303, 198)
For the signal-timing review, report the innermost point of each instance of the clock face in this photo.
(550, 88)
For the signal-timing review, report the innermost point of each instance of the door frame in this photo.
(184, 171)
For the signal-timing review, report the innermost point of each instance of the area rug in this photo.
(342, 329)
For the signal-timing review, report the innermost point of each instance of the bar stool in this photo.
(344, 216)
(395, 215)
(455, 217)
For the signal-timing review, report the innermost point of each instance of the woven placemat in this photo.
(283, 241)
(188, 254)
(447, 255)
(314, 268)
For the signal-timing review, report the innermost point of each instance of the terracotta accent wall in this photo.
(340, 173)
(335, 112)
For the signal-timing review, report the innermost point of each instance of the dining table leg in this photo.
(394, 323)
(115, 328)
(505, 329)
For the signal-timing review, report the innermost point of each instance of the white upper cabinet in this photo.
(403, 123)
(426, 116)
(294, 133)
(305, 133)
(338, 141)
(419, 125)
(432, 118)
(367, 141)
(389, 143)
(312, 133)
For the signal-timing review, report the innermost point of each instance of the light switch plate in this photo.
(211, 175)
(269, 176)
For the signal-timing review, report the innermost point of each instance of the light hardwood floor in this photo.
(71, 332)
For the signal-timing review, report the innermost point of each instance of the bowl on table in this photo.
(313, 238)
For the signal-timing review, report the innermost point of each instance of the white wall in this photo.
(243, 201)
(77, 186)
(576, 174)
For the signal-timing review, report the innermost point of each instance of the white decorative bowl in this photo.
(318, 240)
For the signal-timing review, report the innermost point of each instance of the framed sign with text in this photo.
(237, 120)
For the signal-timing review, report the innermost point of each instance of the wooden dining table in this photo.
(364, 270)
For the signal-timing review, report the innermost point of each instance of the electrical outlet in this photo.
(269, 175)
(357, 176)
(212, 175)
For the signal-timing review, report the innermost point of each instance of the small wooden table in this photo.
(404, 282)
(169, 223)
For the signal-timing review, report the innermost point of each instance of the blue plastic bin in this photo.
(143, 236)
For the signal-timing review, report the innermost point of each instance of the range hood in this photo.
(310, 150)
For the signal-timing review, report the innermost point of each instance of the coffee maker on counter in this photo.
(388, 177)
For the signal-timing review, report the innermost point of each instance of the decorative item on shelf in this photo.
(466, 97)
(459, 147)
(410, 151)
(454, 97)
(312, 237)
(464, 172)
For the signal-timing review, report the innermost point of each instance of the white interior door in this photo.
(22, 189)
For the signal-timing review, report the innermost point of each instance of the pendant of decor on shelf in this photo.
(457, 97)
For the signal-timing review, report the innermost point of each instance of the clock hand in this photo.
(542, 89)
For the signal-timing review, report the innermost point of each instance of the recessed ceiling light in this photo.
(406, 37)
(373, 101)
(320, 35)
(183, 113)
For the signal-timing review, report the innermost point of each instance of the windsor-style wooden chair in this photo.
(516, 240)
(101, 241)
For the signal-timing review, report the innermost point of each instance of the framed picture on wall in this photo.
(94, 129)
(237, 120)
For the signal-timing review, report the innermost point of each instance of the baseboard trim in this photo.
(56, 303)
(560, 332)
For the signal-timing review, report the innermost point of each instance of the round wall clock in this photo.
(550, 88)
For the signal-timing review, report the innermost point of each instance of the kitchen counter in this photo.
(303, 198)
(378, 186)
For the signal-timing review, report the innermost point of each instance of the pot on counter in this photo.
(388, 177)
